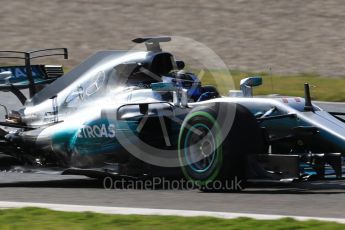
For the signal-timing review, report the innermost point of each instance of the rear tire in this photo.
(6, 161)
(214, 157)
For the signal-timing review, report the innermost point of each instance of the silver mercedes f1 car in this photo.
(138, 114)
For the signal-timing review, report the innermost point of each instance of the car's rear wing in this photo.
(28, 76)
(41, 74)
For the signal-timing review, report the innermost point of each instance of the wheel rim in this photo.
(199, 148)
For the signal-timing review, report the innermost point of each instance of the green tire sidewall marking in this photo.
(219, 150)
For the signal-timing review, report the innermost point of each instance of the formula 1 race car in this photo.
(139, 114)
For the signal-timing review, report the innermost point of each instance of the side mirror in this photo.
(247, 84)
(252, 81)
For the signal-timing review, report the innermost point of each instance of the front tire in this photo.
(212, 156)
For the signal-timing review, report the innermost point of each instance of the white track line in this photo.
(159, 212)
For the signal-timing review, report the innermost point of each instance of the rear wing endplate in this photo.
(28, 56)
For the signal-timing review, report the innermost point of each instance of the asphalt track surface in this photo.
(315, 199)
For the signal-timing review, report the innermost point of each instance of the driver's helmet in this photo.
(187, 81)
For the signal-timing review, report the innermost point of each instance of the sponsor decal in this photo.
(20, 71)
(97, 131)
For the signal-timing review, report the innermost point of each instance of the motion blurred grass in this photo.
(35, 218)
(323, 88)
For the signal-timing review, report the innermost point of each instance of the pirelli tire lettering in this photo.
(97, 131)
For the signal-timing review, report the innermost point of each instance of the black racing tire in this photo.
(222, 151)
(6, 161)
